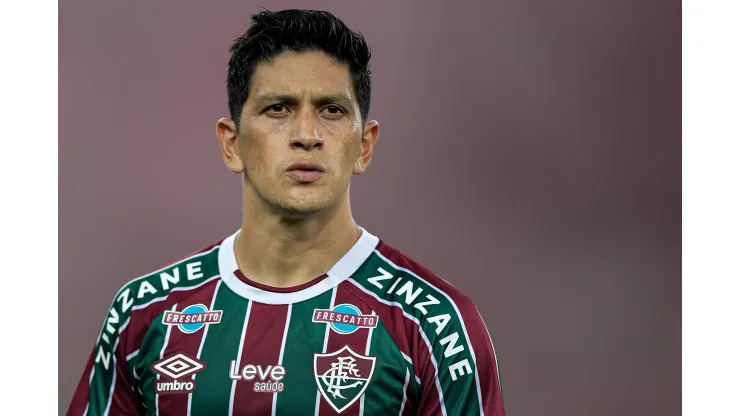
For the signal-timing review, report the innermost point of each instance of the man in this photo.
(300, 312)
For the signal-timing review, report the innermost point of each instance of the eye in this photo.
(334, 110)
(276, 108)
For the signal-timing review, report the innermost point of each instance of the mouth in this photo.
(305, 172)
(306, 166)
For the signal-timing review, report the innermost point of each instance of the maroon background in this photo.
(529, 153)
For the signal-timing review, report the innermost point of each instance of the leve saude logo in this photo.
(345, 318)
(266, 379)
(172, 369)
(192, 318)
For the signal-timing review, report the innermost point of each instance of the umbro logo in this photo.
(173, 368)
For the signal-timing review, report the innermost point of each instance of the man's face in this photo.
(301, 135)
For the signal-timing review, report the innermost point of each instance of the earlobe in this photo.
(359, 166)
(369, 139)
(228, 141)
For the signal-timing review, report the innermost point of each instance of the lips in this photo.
(305, 172)
(306, 166)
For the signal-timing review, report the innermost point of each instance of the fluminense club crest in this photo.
(342, 376)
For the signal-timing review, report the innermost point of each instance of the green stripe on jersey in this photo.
(304, 338)
(386, 390)
(440, 321)
(222, 344)
(150, 351)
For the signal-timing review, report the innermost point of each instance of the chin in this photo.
(301, 208)
(301, 203)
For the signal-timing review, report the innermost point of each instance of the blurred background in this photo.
(529, 153)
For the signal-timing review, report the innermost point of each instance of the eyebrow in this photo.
(320, 100)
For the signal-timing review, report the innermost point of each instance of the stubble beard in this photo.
(294, 208)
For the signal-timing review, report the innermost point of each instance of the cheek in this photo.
(353, 150)
(257, 153)
(346, 161)
(353, 145)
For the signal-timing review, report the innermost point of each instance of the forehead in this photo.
(299, 73)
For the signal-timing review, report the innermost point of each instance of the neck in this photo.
(279, 251)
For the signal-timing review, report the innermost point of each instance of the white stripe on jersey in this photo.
(367, 352)
(89, 384)
(405, 386)
(203, 341)
(161, 355)
(498, 372)
(282, 351)
(113, 383)
(132, 355)
(407, 358)
(323, 350)
(239, 357)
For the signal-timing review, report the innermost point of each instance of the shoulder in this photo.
(189, 272)
(407, 287)
(448, 322)
(140, 300)
(394, 275)
(458, 351)
(403, 264)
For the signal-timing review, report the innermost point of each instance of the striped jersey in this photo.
(378, 334)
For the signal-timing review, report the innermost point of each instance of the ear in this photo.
(227, 138)
(369, 138)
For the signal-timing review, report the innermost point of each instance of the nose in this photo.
(307, 137)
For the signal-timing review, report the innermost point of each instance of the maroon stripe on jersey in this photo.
(408, 407)
(80, 398)
(123, 400)
(262, 344)
(177, 404)
(407, 335)
(485, 358)
(427, 372)
(357, 341)
(238, 273)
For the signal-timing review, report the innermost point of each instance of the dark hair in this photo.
(272, 33)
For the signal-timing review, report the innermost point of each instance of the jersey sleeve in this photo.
(105, 387)
(465, 384)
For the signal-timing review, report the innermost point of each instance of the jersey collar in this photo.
(341, 271)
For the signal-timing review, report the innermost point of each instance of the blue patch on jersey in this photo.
(193, 309)
(348, 309)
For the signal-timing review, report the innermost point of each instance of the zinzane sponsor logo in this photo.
(418, 298)
(172, 369)
(268, 378)
(192, 318)
(345, 318)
